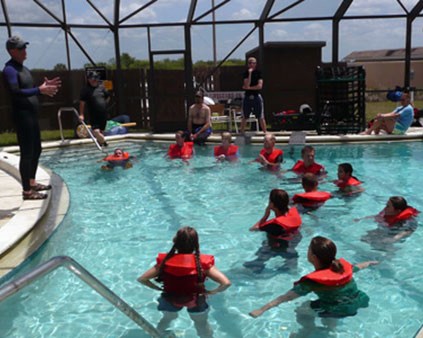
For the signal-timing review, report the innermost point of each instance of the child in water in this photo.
(182, 272)
(346, 182)
(332, 281)
(311, 198)
(282, 231)
(119, 158)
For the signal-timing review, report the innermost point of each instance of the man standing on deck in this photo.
(253, 101)
(25, 105)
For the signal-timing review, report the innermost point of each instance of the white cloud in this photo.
(243, 14)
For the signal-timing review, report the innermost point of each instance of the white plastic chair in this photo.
(237, 118)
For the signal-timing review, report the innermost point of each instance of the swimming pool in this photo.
(119, 220)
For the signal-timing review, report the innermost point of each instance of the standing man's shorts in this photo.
(253, 104)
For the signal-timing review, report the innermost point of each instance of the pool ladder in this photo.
(43, 269)
(72, 109)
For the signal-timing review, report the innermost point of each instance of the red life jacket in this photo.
(272, 157)
(402, 216)
(185, 151)
(180, 274)
(312, 198)
(290, 222)
(300, 168)
(329, 277)
(114, 158)
(349, 182)
(231, 151)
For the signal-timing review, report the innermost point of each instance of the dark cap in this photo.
(199, 94)
(93, 75)
(15, 42)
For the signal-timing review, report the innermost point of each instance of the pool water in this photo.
(118, 221)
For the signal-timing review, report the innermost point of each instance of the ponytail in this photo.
(336, 266)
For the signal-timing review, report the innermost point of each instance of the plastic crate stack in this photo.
(341, 100)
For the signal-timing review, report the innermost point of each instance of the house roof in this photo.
(383, 55)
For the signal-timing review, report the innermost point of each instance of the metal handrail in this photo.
(59, 118)
(16, 285)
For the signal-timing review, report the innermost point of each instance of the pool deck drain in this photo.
(25, 225)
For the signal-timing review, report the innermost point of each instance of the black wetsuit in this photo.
(25, 105)
(95, 99)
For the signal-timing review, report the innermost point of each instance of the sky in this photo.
(47, 45)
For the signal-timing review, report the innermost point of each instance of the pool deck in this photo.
(26, 225)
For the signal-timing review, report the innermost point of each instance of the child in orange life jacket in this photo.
(332, 281)
(307, 164)
(347, 183)
(398, 219)
(282, 232)
(226, 151)
(182, 272)
(270, 157)
(119, 158)
(311, 198)
(181, 149)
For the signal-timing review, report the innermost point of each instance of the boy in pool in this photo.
(307, 163)
(332, 281)
(119, 158)
(311, 198)
(226, 151)
(346, 182)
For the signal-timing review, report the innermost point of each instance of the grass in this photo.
(372, 108)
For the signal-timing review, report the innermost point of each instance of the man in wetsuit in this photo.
(252, 101)
(25, 105)
(199, 120)
(94, 98)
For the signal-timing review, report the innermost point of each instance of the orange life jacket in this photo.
(312, 198)
(290, 222)
(272, 157)
(180, 275)
(329, 277)
(185, 151)
(300, 168)
(114, 158)
(231, 151)
(349, 182)
(402, 216)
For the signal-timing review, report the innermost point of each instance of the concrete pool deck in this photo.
(26, 225)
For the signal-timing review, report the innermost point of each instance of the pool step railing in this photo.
(43, 269)
(72, 109)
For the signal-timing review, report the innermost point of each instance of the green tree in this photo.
(60, 67)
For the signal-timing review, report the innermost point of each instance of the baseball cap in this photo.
(16, 42)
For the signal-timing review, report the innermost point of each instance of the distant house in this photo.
(385, 67)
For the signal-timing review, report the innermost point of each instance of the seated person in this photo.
(396, 122)
(119, 158)
(181, 149)
(270, 157)
(347, 183)
(199, 120)
(307, 164)
(398, 220)
(311, 198)
(226, 151)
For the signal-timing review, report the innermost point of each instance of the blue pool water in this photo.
(118, 221)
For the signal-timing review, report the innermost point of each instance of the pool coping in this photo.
(35, 221)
